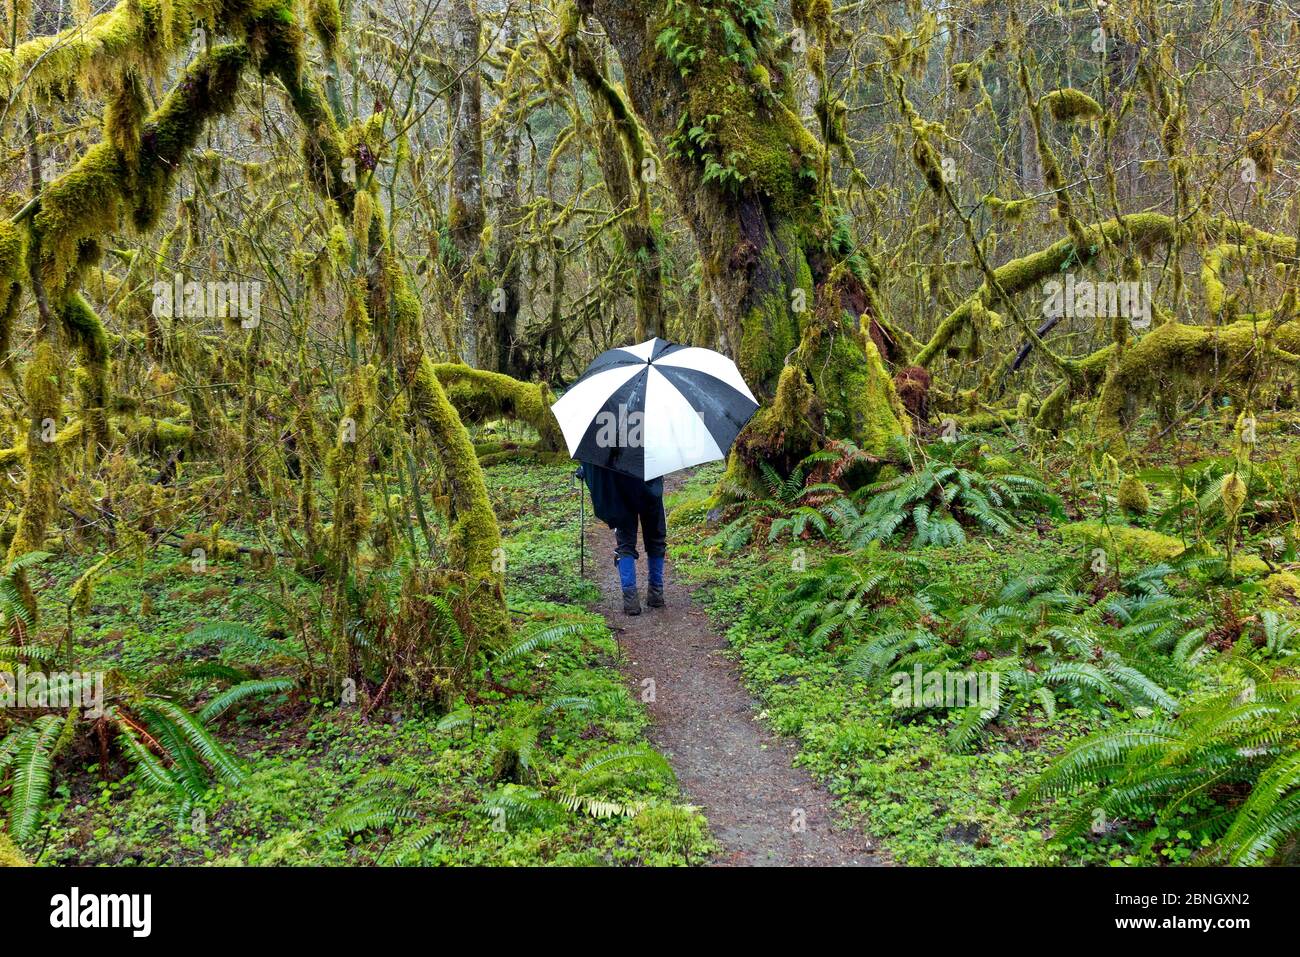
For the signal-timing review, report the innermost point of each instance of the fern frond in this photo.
(542, 638)
(32, 763)
(256, 688)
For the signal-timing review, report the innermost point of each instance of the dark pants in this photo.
(654, 532)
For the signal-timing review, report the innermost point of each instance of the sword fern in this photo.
(950, 492)
(1197, 764)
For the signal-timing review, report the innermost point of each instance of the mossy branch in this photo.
(475, 546)
(133, 35)
(1142, 233)
(993, 290)
(480, 396)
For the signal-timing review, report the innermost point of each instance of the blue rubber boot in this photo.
(627, 578)
(654, 596)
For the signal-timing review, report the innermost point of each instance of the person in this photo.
(622, 502)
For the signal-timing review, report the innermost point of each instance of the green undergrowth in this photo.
(1088, 639)
(907, 789)
(546, 762)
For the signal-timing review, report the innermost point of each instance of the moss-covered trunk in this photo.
(716, 90)
(465, 215)
(129, 172)
(480, 396)
(391, 305)
(640, 237)
(628, 170)
(507, 296)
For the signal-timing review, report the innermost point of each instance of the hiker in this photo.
(621, 501)
(637, 414)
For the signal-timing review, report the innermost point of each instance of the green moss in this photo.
(44, 386)
(754, 132)
(858, 394)
(1141, 234)
(13, 268)
(214, 547)
(1011, 210)
(135, 35)
(16, 454)
(123, 115)
(481, 396)
(1174, 353)
(1262, 145)
(1253, 246)
(986, 421)
(1144, 230)
(1068, 105)
(536, 456)
(924, 153)
(87, 332)
(206, 90)
(131, 169)
(82, 204)
(326, 24)
(1285, 585)
(363, 211)
(767, 336)
(475, 540)
(323, 147)
(85, 329)
(963, 74)
(691, 512)
(10, 856)
(781, 432)
(160, 434)
(347, 463)
(1128, 545)
(1211, 283)
(87, 201)
(1249, 566)
(1133, 496)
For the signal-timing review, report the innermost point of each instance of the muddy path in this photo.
(763, 811)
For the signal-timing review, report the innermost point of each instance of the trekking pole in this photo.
(582, 509)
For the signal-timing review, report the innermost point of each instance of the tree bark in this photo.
(1031, 170)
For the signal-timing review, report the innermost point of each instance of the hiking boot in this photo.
(631, 603)
(654, 596)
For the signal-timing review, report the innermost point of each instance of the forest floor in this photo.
(761, 809)
(783, 753)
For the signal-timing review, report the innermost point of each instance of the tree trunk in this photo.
(628, 172)
(509, 269)
(789, 291)
(1031, 166)
(465, 187)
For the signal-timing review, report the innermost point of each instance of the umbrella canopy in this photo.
(650, 409)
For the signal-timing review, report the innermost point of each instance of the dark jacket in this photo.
(618, 499)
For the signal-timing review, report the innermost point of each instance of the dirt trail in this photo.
(728, 764)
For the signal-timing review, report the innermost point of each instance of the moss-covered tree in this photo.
(787, 279)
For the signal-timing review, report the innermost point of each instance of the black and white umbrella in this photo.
(650, 409)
